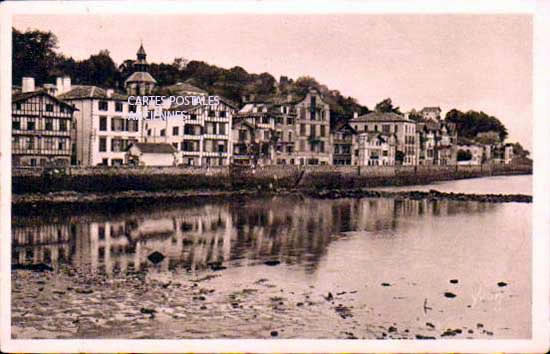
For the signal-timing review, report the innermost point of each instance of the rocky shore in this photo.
(84, 202)
(67, 303)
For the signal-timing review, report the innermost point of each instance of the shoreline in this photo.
(126, 200)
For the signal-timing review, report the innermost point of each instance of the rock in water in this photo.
(156, 257)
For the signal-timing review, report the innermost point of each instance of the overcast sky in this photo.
(479, 62)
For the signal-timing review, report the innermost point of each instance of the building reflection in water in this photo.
(290, 229)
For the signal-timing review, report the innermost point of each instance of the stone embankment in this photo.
(156, 179)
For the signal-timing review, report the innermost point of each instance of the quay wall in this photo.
(117, 179)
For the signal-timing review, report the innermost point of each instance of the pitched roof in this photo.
(89, 91)
(344, 125)
(21, 96)
(381, 117)
(141, 50)
(241, 122)
(183, 107)
(431, 109)
(184, 87)
(140, 76)
(155, 148)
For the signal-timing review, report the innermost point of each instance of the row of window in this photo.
(385, 128)
(191, 129)
(119, 106)
(118, 124)
(313, 131)
(317, 147)
(37, 107)
(117, 145)
(49, 124)
(34, 143)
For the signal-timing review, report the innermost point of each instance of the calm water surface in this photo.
(388, 262)
(484, 185)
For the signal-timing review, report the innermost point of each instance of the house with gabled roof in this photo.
(403, 128)
(344, 144)
(41, 128)
(199, 132)
(376, 149)
(105, 124)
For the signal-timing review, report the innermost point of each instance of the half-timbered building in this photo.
(41, 129)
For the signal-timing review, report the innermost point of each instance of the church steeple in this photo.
(141, 55)
(140, 82)
(141, 63)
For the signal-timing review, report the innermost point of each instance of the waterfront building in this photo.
(301, 126)
(344, 142)
(388, 123)
(436, 143)
(376, 149)
(105, 125)
(200, 132)
(477, 152)
(508, 153)
(313, 136)
(151, 154)
(254, 134)
(41, 128)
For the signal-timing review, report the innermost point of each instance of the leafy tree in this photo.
(471, 123)
(520, 151)
(386, 106)
(463, 155)
(33, 55)
(99, 70)
(414, 115)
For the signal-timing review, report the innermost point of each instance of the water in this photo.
(386, 263)
(484, 185)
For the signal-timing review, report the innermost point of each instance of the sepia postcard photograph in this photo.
(274, 176)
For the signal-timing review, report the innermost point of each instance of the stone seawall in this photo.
(155, 179)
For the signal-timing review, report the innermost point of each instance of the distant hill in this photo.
(35, 54)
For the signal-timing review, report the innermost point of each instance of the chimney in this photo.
(110, 93)
(355, 114)
(59, 85)
(66, 84)
(28, 84)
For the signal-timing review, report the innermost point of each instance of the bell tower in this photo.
(140, 82)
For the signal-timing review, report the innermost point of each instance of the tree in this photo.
(180, 63)
(519, 150)
(463, 155)
(386, 106)
(303, 84)
(471, 123)
(99, 69)
(33, 55)
(414, 115)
